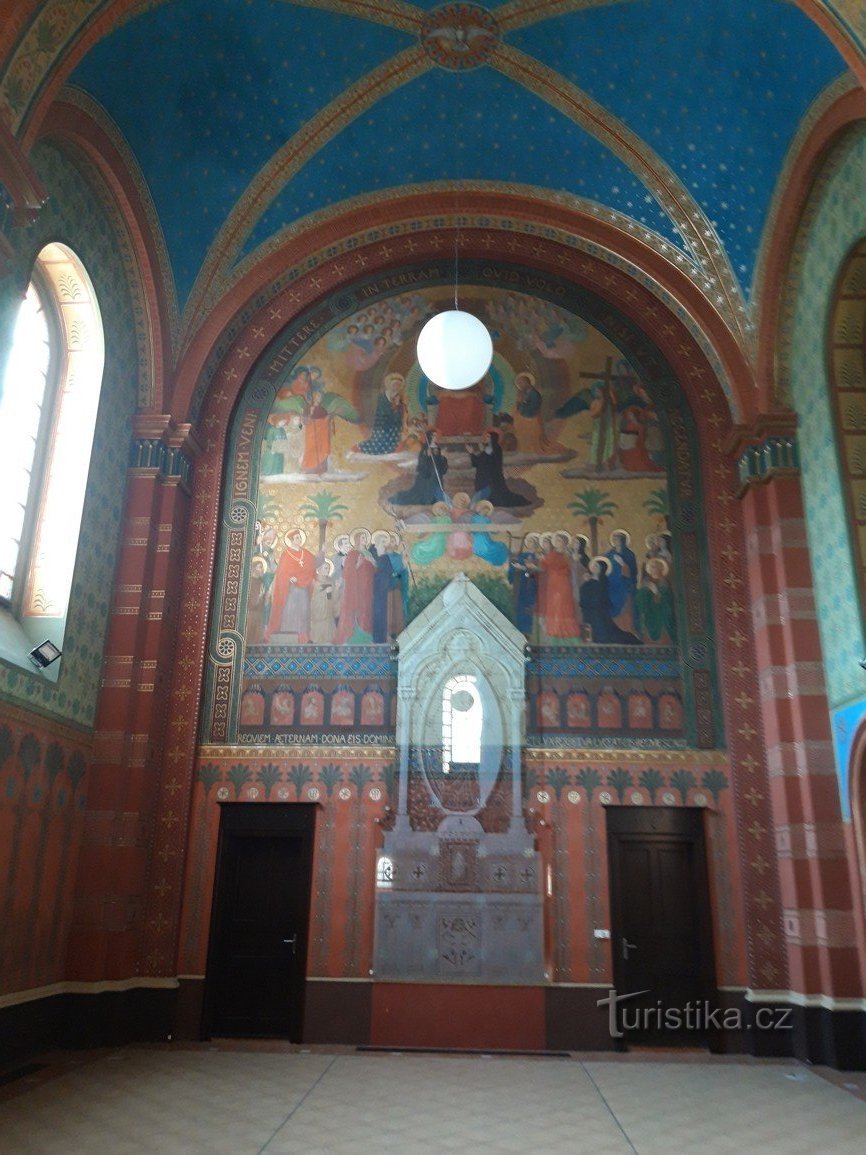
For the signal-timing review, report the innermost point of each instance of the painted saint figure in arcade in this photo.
(290, 606)
(356, 607)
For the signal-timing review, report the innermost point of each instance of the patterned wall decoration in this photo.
(359, 490)
(76, 213)
(832, 224)
(43, 769)
(564, 800)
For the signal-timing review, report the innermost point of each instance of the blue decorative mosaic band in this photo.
(598, 662)
(320, 662)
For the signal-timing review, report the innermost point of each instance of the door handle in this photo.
(293, 942)
(627, 946)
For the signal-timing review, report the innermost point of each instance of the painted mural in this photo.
(546, 483)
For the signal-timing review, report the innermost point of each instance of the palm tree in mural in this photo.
(360, 775)
(239, 775)
(269, 775)
(658, 506)
(301, 775)
(76, 768)
(323, 508)
(29, 757)
(7, 745)
(557, 780)
(683, 780)
(620, 779)
(651, 780)
(590, 779)
(208, 775)
(715, 781)
(53, 766)
(593, 505)
(330, 775)
(269, 508)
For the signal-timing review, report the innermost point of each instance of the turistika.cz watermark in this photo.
(699, 1015)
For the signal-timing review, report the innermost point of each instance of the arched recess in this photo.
(380, 234)
(248, 492)
(804, 169)
(231, 352)
(846, 353)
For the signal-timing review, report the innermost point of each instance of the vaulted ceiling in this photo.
(673, 117)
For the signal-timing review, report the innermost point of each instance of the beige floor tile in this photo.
(248, 1101)
(667, 1108)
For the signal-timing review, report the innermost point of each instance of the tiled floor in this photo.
(242, 1101)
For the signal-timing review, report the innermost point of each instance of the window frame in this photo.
(55, 375)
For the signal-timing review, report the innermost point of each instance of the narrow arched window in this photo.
(50, 394)
(847, 360)
(462, 720)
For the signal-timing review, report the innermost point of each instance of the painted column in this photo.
(110, 921)
(819, 925)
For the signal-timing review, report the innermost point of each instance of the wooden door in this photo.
(661, 924)
(258, 947)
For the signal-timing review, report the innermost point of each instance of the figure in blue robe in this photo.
(523, 575)
(622, 582)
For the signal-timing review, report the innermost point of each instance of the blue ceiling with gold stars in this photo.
(205, 92)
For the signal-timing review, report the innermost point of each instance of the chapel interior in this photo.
(343, 708)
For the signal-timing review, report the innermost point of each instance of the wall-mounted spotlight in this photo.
(43, 655)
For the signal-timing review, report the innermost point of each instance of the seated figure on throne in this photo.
(460, 412)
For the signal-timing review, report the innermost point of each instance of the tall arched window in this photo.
(48, 407)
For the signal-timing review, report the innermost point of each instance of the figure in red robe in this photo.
(290, 605)
(356, 607)
(556, 607)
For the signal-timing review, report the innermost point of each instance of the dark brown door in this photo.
(258, 947)
(660, 926)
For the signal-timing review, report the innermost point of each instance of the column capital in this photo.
(163, 447)
(766, 448)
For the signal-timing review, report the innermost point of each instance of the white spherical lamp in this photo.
(454, 350)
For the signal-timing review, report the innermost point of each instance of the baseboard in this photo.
(75, 1020)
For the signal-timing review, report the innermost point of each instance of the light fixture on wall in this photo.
(44, 654)
(454, 348)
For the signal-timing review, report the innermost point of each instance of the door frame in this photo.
(259, 820)
(663, 824)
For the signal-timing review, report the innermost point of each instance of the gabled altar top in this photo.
(461, 606)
